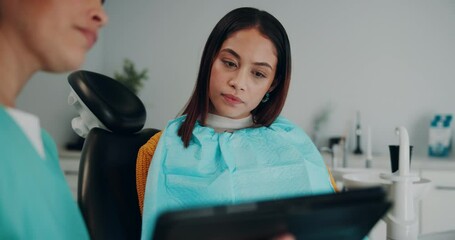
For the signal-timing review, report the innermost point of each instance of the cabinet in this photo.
(437, 210)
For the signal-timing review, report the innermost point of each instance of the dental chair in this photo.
(111, 121)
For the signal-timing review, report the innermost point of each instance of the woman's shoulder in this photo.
(283, 120)
(173, 125)
(288, 128)
(284, 124)
(176, 122)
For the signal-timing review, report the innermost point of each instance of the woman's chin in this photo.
(70, 63)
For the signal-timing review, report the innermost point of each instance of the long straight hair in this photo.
(239, 19)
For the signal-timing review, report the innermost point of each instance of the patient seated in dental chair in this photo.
(231, 145)
(113, 130)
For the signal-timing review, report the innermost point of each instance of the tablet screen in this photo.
(346, 215)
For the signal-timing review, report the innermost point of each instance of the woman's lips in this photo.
(232, 99)
(91, 36)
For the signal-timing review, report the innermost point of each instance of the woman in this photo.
(52, 36)
(230, 145)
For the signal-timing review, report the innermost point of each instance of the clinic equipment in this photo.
(405, 190)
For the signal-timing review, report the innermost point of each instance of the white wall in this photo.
(394, 61)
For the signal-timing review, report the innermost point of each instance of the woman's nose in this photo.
(238, 81)
(99, 16)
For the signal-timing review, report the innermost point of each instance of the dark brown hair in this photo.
(239, 19)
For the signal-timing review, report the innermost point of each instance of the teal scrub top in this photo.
(35, 200)
(227, 168)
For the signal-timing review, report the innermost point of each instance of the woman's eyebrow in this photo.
(228, 50)
(236, 55)
(263, 64)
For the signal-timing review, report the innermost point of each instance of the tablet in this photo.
(346, 215)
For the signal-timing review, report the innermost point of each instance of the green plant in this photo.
(130, 77)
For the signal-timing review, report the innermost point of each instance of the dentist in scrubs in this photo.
(38, 35)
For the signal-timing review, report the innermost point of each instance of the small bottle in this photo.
(369, 158)
(358, 133)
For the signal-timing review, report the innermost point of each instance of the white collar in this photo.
(224, 124)
(30, 124)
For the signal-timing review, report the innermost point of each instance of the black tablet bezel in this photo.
(346, 215)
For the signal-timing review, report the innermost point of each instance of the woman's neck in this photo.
(15, 69)
(224, 124)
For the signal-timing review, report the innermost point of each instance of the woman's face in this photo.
(242, 73)
(54, 35)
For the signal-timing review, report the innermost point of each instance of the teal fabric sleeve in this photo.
(35, 200)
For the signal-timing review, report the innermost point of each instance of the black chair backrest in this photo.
(119, 109)
(107, 193)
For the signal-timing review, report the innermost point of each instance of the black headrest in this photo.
(119, 109)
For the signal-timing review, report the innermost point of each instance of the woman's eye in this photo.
(229, 64)
(259, 74)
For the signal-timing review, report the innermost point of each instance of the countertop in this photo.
(438, 236)
(383, 162)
